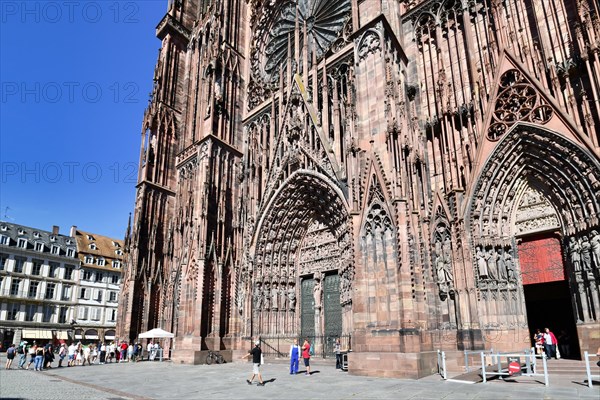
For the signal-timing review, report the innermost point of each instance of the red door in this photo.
(540, 258)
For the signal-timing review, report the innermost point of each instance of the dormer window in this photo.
(3, 239)
(22, 243)
(116, 244)
(93, 246)
(21, 231)
(101, 262)
(70, 252)
(52, 238)
(39, 247)
(119, 252)
(69, 242)
(4, 228)
(89, 259)
(90, 237)
(36, 235)
(55, 250)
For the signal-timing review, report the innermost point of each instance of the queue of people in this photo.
(42, 356)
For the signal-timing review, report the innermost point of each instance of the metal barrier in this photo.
(442, 364)
(590, 377)
(468, 353)
(530, 364)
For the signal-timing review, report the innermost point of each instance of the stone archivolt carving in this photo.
(535, 213)
(517, 100)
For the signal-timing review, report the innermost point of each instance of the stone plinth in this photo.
(393, 365)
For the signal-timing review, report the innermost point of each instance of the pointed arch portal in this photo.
(532, 217)
(301, 268)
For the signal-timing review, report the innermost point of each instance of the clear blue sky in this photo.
(74, 82)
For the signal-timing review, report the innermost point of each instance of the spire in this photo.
(128, 234)
(304, 51)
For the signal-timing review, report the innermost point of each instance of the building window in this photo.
(113, 297)
(14, 287)
(36, 267)
(99, 295)
(47, 313)
(3, 258)
(87, 275)
(54, 271)
(82, 313)
(113, 315)
(83, 293)
(62, 315)
(22, 243)
(70, 252)
(116, 264)
(11, 312)
(93, 246)
(55, 250)
(114, 279)
(39, 247)
(4, 240)
(89, 259)
(50, 291)
(66, 293)
(30, 311)
(33, 288)
(69, 272)
(96, 313)
(4, 228)
(19, 263)
(52, 238)
(99, 276)
(101, 262)
(36, 235)
(119, 252)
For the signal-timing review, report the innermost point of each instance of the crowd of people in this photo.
(42, 356)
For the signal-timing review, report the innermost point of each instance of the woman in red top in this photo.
(306, 356)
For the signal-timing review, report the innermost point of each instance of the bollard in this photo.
(587, 368)
(483, 367)
(444, 364)
(546, 382)
(466, 362)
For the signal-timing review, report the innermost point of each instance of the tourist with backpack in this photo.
(22, 352)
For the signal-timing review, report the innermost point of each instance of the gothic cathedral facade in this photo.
(407, 175)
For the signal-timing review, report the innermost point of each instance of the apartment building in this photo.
(38, 283)
(101, 259)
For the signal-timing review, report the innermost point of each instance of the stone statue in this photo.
(574, 254)
(282, 297)
(491, 258)
(586, 256)
(241, 297)
(595, 248)
(274, 297)
(257, 296)
(266, 296)
(291, 294)
(481, 262)
(318, 293)
(510, 266)
(501, 265)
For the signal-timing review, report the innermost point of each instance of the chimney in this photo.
(73, 230)
(55, 229)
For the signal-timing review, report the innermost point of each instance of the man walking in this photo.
(256, 353)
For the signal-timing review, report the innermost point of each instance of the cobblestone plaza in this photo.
(167, 380)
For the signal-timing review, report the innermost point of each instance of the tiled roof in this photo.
(105, 247)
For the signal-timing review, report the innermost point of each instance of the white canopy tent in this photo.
(156, 333)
